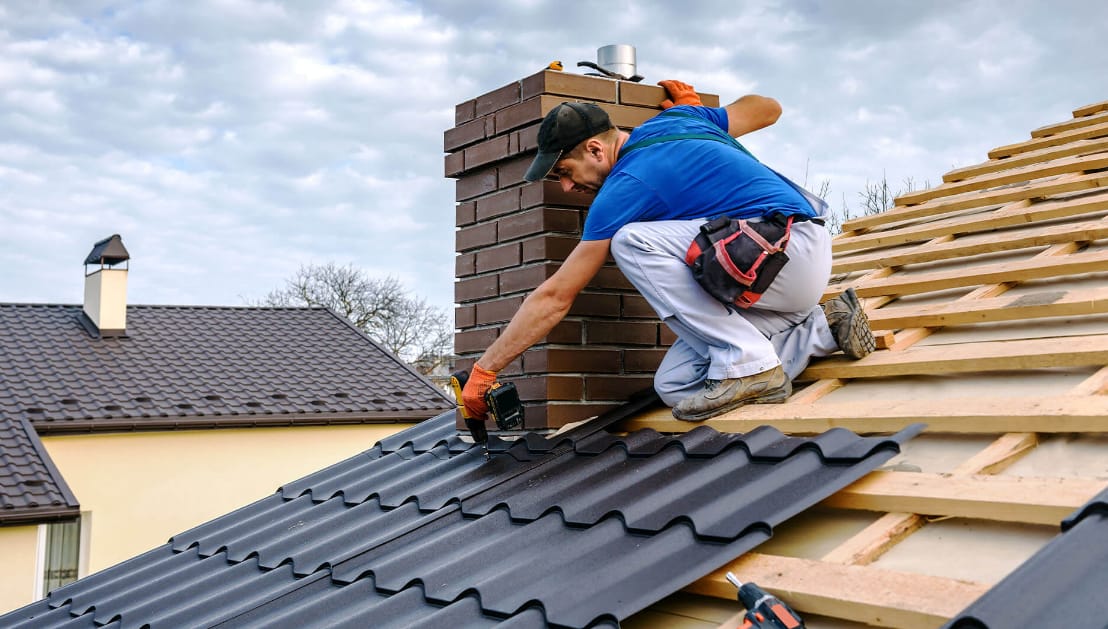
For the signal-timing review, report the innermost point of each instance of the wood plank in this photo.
(870, 543)
(976, 415)
(1014, 214)
(1096, 384)
(1084, 133)
(1024, 499)
(1076, 123)
(1018, 271)
(1008, 355)
(1047, 303)
(1089, 110)
(969, 200)
(1061, 166)
(1085, 231)
(884, 598)
(1080, 147)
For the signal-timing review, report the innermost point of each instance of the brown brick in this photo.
(548, 247)
(465, 264)
(642, 360)
(538, 220)
(595, 305)
(621, 332)
(475, 340)
(551, 193)
(514, 368)
(626, 117)
(571, 360)
(465, 364)
(636, 307)
(463, 135)
(474, 288)
(525, 278)
(453, 164)
(464, 112)
(465, 213)
(496, 258)
(615, 387)
(497, 99)
(488, 152)
(475, 236)
(503, 202)
(511, 172)
(558, 414)
(567, 332)
(666, 336)
(642, 95)
(527, 138)
(610, 277)
(569, 84)
(475, 184)
(528, 112)
(546, 388)
(464, 316)
(498, 310)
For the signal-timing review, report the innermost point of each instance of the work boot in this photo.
(849, 324)
(720, 396)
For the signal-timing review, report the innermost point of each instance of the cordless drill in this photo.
(764, 610)
(504, 408)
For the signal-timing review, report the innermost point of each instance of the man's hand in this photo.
(679, 94)
(473, 395)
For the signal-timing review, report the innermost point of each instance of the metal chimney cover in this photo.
(617, 58)
(108, 251)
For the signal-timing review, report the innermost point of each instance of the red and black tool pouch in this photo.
(736, 260)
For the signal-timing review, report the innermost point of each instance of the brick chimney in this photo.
(512, 235)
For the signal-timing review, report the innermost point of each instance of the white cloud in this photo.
(230, 141)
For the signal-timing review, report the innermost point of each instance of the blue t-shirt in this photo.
(687, 179)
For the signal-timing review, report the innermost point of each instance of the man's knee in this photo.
(623, 242)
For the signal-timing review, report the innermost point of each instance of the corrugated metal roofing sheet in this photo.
(1062, 585)
(31, 488)
(582, 528)
(200, 366)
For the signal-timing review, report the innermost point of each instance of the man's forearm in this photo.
(540, 312)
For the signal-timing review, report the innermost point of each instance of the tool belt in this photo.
(736, 260)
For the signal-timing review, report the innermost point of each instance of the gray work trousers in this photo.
(785, 327)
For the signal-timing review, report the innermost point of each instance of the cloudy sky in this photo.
(231, 141)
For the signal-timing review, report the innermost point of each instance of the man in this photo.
(654, 189)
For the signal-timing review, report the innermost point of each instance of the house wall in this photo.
(18, 547)
(140, 489)
(512, 235)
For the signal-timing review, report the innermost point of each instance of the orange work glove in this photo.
(679, 94)
(473, 395)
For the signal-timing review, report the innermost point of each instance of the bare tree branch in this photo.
(407, 326)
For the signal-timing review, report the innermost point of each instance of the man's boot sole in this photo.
(860, 335)
(777, 396)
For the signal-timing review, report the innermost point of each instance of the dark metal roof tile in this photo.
(416, 529)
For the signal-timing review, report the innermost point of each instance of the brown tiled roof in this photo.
(190, 367)
(31, 489)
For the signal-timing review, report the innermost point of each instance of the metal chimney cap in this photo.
(108, 251)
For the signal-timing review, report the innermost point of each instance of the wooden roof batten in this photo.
(1042, 204)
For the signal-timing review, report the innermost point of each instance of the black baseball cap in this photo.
(566, 126)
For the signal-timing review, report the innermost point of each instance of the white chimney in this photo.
(106, 287)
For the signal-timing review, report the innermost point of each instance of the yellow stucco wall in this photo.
(140, 489)
(18, 546)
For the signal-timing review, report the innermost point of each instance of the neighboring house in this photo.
(122, 425)
(989, 295)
